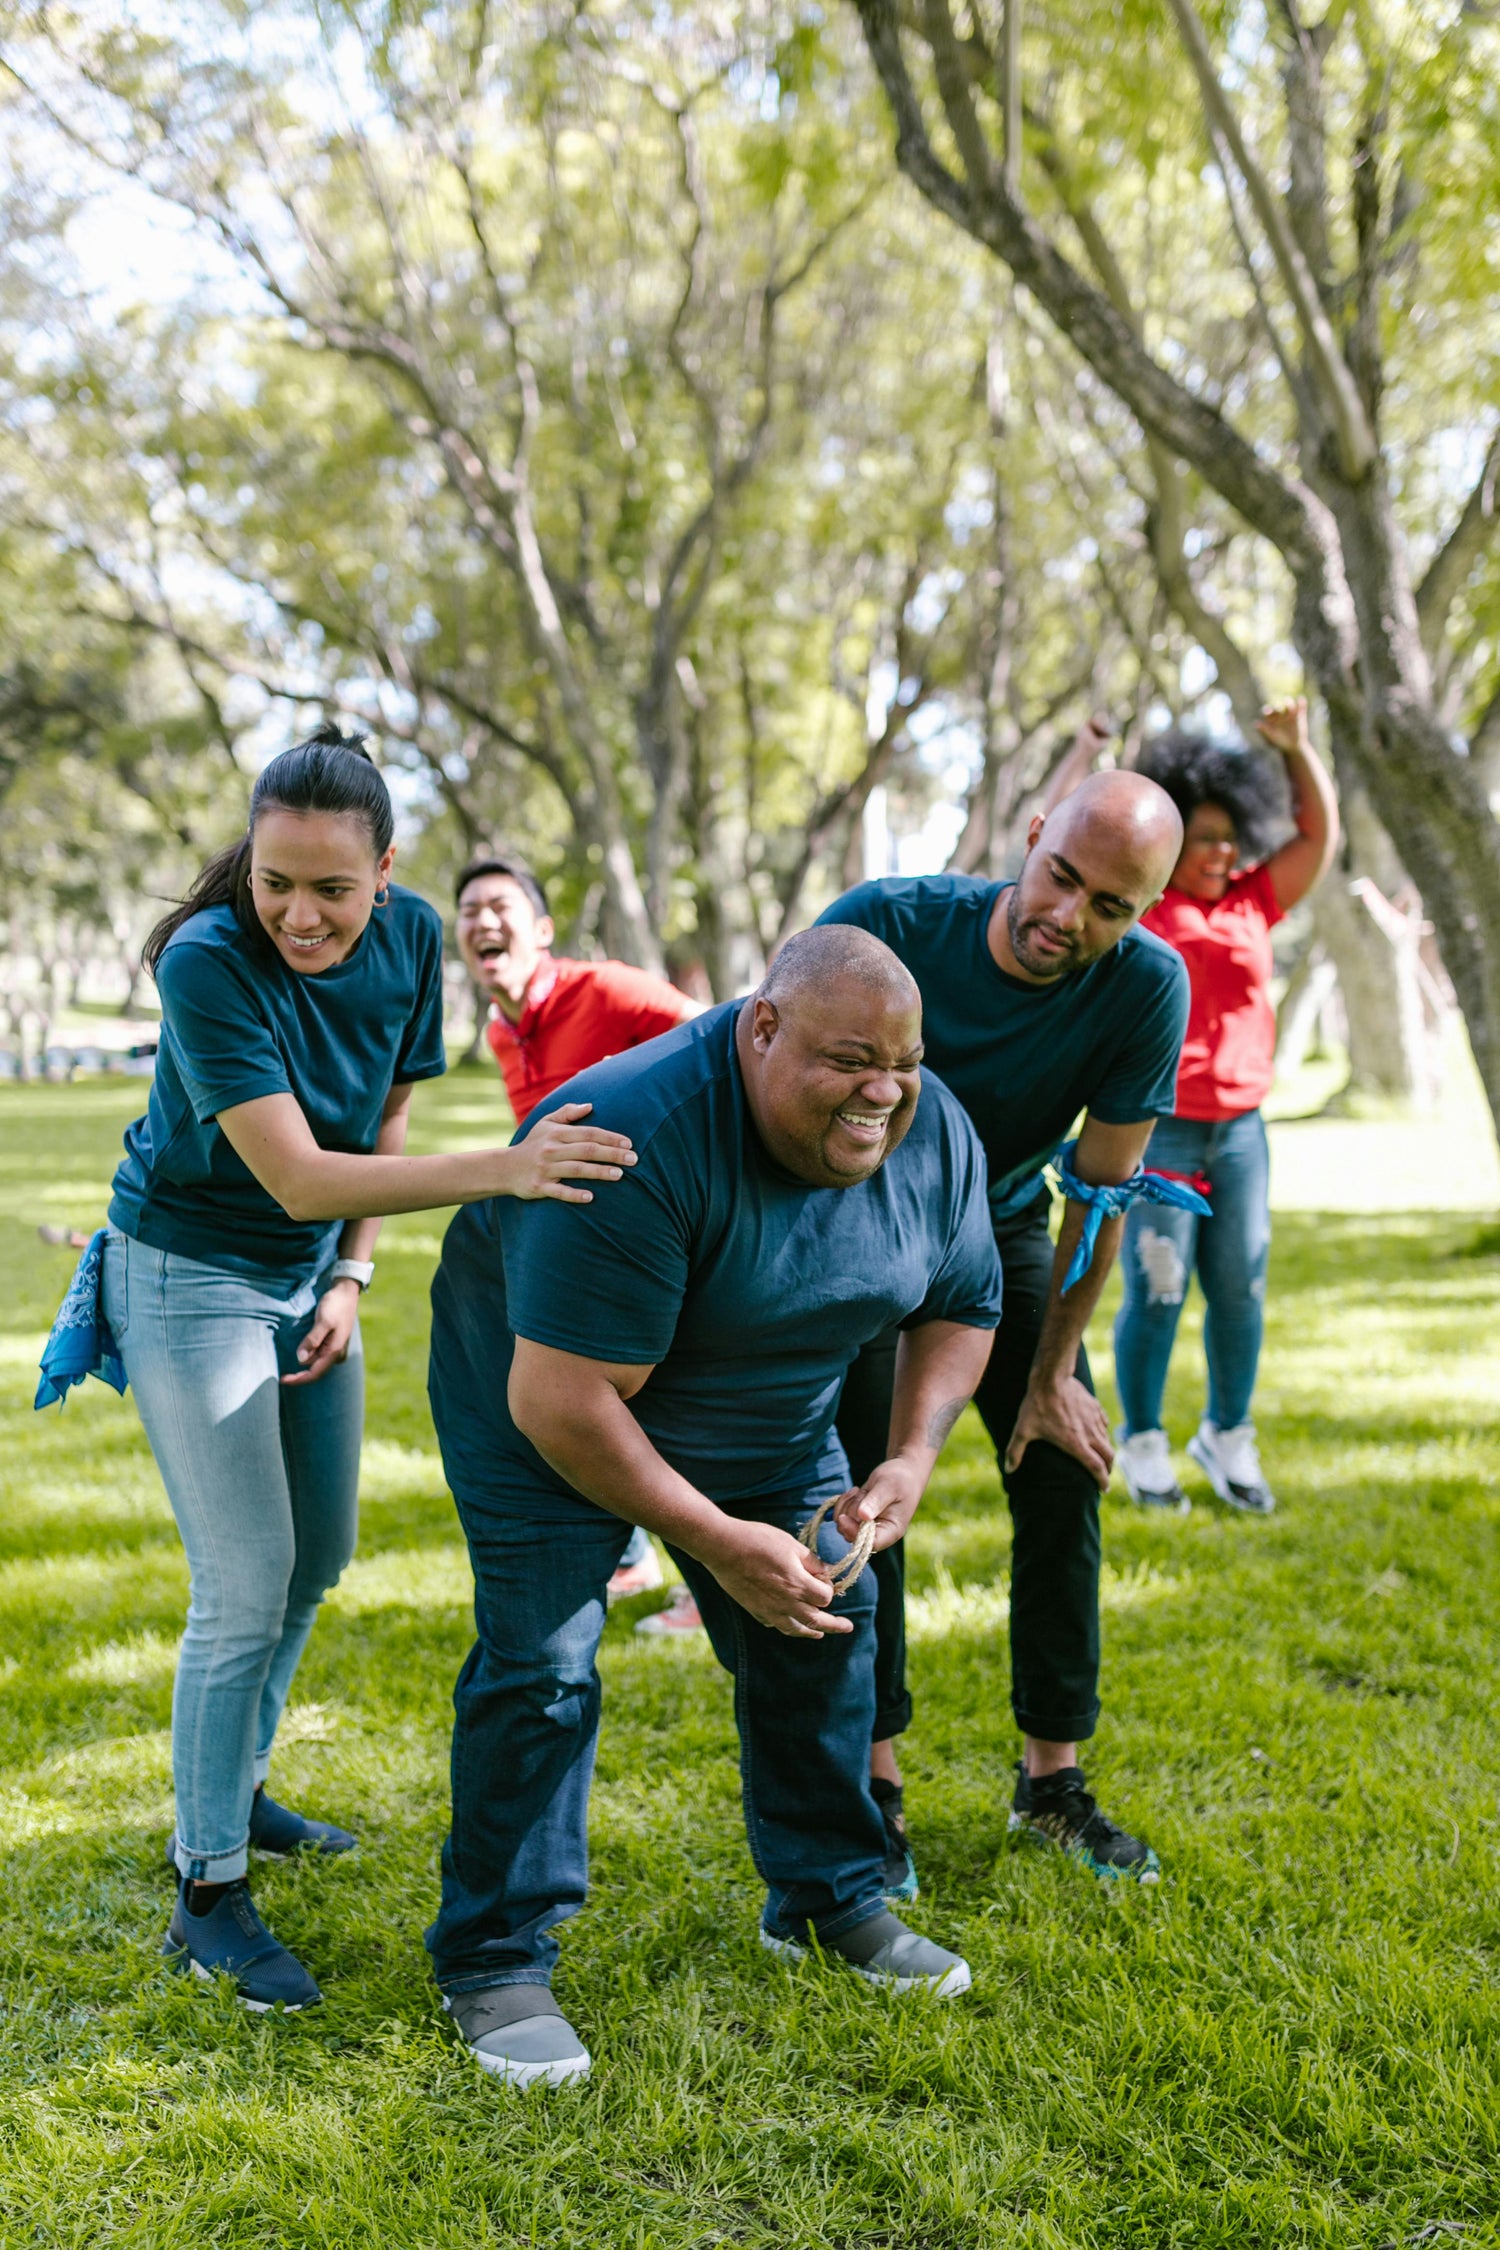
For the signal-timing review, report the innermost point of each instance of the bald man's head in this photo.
(830, 1048)
(1093, 866)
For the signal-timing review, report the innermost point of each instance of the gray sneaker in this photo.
(519, 2033)
(885, 1951)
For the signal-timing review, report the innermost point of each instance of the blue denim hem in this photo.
(458, 1986)
(826, 1926)
(213, 1867)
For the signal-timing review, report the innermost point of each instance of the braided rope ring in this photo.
(843, 1577)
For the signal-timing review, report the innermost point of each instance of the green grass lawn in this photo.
(1292, 2041)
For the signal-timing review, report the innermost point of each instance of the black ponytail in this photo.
(331, 772)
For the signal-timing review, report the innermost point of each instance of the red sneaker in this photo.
(679, 1616)
(636, 1578)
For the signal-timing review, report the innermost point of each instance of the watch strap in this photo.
(361, 1270)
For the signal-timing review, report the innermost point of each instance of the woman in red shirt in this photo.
(1219, 915)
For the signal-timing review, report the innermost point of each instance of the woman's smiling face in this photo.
(313, 880)
(1210, 848)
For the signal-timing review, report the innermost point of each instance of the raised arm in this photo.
(574, 1411)
(1091, 740)
(938, 1367)
(272, 1137)
(1302, 863)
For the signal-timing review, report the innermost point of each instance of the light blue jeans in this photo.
(264, 1485)
(1162, 1248)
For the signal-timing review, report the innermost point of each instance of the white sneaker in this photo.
(1145, 1462)
(1231, 1462)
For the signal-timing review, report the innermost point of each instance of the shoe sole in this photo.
(1160, 1503)
(946, 1987)
(1173, 1503)
(182, 1963)
(1225, 1489)
(1100, 1869)
(522, 2075)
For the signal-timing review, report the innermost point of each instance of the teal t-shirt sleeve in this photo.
(862, 906)
(604, 1279)
(967, 1286)
(422, 1052)
(1141, 1080)
(223, 1044)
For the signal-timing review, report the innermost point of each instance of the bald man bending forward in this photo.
(1041, 999)
(671, 1354)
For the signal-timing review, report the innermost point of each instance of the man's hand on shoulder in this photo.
(1066, 1415)
(772, 1575)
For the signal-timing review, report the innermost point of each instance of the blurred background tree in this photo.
(579, 397)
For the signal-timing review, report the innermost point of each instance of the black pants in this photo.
(1054, 1506)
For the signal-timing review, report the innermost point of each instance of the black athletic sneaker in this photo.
(900, 1868)
(1057, 1809)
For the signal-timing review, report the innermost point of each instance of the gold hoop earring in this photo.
(383, 895)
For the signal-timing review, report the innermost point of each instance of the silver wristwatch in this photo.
(361, 1270)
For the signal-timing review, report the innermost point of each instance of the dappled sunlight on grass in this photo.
(414, 1578)
(943, 1607)
(400, 1472)
(143, 1660)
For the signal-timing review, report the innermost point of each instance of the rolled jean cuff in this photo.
(459, 1988)
(824, 1926)
(262, 1767)
(1058, 1726)
(895, 1719)
(211, 1867)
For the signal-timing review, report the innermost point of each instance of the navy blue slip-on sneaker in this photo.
(1057, 1809)
(231, 1940)
(273, 1828)
(277, 1830)
(900, 1868)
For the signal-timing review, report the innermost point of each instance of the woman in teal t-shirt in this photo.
(301, 1000)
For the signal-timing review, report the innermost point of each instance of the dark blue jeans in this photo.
(527, 1720)
(1161, 1249)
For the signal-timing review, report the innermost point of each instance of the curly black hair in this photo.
(1205, 769)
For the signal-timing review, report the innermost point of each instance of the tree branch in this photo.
(1462, 548)
(1356, 439)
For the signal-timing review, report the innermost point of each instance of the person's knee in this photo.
(530, 1696)
(1051, 1490)
(1158, 1266)
(319, 1566)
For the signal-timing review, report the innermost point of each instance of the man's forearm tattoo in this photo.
(940, 1424)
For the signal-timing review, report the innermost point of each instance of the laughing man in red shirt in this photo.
(550, 1018)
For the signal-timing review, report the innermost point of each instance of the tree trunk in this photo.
(1329, 516)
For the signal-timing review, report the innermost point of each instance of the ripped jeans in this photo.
(1162, 1249)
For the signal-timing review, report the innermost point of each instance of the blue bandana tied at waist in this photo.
(1101, 1203)
(81, 1342)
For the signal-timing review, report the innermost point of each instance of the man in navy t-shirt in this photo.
(672, 1354)
(1041, 1000)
